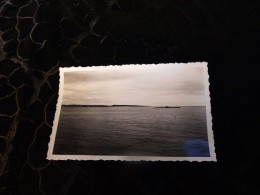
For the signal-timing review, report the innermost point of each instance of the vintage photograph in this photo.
(133, 112)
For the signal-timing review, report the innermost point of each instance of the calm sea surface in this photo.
(148, 131)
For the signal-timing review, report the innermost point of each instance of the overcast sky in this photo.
(156, 85)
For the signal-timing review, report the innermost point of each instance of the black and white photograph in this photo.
(133, 112)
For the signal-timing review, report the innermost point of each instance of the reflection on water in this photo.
(146, 131)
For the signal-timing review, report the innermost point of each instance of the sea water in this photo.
(138, 131)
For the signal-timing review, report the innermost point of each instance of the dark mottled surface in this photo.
(38, 36)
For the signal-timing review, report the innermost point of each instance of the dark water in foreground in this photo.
(148, 131)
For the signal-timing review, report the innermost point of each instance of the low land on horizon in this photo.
(81, 105)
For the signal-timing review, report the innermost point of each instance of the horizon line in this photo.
(110, 105)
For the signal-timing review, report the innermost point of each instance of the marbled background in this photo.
(39, 36)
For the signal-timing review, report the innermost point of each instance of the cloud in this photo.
(100, 76)
(154, 85)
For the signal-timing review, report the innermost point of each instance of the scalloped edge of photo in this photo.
(62, 70)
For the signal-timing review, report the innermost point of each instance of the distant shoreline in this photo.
(77, 105)
(168, 107)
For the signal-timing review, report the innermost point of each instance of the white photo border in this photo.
(212, 157)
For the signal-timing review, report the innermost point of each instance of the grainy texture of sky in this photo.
(152, 85)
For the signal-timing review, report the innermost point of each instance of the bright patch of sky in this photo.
(151, 85)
